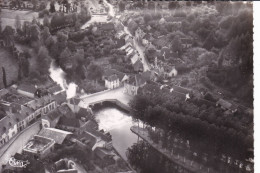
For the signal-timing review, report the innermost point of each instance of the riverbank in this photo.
(182, 161)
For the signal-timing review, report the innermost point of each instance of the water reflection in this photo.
(118, 123)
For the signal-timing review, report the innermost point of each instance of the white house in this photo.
(112, 81)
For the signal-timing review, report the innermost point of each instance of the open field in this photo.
(8, 16)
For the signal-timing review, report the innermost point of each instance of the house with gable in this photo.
(134, 83)
(113, 78)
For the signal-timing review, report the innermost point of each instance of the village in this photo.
(122, 54)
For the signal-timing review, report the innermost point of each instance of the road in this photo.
(17, 144)
(117, 93)
(140, 49)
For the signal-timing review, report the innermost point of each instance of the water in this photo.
(118, 123)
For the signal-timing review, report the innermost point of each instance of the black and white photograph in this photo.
(127, 86)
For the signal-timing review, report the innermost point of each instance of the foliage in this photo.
(171, 113)
(43, 61)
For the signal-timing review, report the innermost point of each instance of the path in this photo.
(16, 144)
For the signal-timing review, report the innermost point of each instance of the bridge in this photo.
(116, 96)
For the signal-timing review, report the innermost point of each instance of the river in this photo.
(118, 123)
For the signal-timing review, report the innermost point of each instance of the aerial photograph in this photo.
(126, 86)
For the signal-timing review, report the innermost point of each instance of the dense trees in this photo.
(43, 61)
(192, 120)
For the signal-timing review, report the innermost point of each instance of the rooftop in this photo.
(56, 134)
(38, 144)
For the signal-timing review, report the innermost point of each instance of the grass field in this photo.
(10, 65)
(8, 16)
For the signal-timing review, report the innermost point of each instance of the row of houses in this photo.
(21, 107)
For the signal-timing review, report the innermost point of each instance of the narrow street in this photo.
(140, 49)
(17, 144)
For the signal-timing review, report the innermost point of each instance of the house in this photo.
(51, 119)
(67, 123)
(139, 34)
(8, 128)
(27, 90)
(135, 58)
(65, 166)
(225, 105)
(186, 43)
(133, 83)
(138, 66)
(112, 82)
(104, 154)
(39, 146)
(111, 75)
(57, 135)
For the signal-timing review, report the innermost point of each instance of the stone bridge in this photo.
(116, 96)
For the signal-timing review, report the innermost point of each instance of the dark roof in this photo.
(28, 88)
(109, 72)
(69, 122)
(54, 89)
(84, 113)
(138, 65)
(90, 124)
(56, 134)
(137, 80)
(60, 98)
(54, 114)
(65, 110)
(102, 153)
(112, 77)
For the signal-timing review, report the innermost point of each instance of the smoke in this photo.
(58, 75)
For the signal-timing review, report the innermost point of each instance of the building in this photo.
(39, 146)
(27, 90)
(186, 43)
(113, 78)
(138, 66)
(69, 123)
(59, 136)
(112, 82)
(133, 84)
(51, 119)
(227, 106)
(65, 166)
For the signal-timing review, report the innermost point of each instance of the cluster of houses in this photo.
(62, 121)
(23, 104)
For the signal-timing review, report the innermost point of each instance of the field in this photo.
(10, 65)
(8, 16)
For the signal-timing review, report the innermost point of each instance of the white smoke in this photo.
(58, 75)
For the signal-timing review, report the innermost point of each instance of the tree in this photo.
(43, 61)
(4, 77)
(94, 72)
(121, 6)
(173, 4)
(45, 34)
(35, 32)
(52, 6)
(147, 17)
(34, 2)
(46, 21)
(176, 45)
(18, 25)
